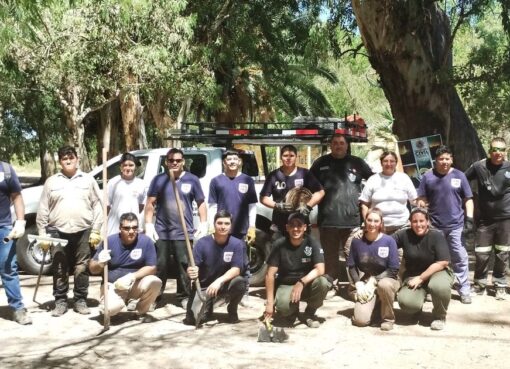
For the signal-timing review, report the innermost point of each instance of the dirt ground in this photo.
(475, 336)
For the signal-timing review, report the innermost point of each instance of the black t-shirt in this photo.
(493, 189)
(341, 179)
(295, 262)
(421, 252)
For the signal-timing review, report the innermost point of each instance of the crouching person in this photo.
(131, 259)
(298, 260)
(219, 266)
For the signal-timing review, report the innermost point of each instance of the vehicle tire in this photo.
(30, 256)
(258, 253)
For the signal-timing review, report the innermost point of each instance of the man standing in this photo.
(283, 179)
(295, 273)
(167, 232)
(493, 232)
(340, 174)
(70, 208)
(446, 190)
(10, 190)
(219, 267)
(131, 259)
(126, 192)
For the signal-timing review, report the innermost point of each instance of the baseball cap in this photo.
(128, 156)
(297, 216)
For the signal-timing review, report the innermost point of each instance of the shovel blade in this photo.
(279, 335)
(264, 334)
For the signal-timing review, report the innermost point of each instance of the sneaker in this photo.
(246, 302)
(60, 308)
(500, 293)
(478, 290)
(465, 299)
(189, 321)
(80, 306)
(437, 325)
(131, 305)
(386, 326)
(21, 316)
(312, 321)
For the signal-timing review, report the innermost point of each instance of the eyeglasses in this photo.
(174, 160)
(127, 229)
(498, 149)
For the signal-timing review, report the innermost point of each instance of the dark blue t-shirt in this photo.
(168, 224)
(7, 187)
(278, 184)
(214, 260)
(234, 195)
(128, 259)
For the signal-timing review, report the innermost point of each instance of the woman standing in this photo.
(427, 258)
(373, 266)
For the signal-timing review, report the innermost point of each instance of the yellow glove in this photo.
(44, 245)
(94, 238)
(251, 235)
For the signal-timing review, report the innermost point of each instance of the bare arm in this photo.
(267, 201)
(297, 289)
(423, 277)
(19, 205)
(149, 209)
(421, 202)
(469, 204)
(230, 274)
(270, 284)
(316, 198)
(202, 212)
(365, 206)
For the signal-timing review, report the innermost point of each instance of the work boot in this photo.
(80, 306)
(310, 319)
(437, 325)
(478, 289)
(21, 316)
(386, 326)
(233, 318)
(500, 293)
(60, 308)
(465, 299)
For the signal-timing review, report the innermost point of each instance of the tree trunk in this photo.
(110, 129)
(131, 110)
(162, 119)
(409, 45)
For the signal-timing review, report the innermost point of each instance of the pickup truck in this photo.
(205, 163)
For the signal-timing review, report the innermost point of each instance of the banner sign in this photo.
(417, 155)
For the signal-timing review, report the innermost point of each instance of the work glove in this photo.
(193, 272)
(44, 245)
(104, 257)
(201, 231)
(283, 207)
(366, 291)
(251, 235)
(306, 211)
(150, 232)
(469, 226)
(125, 283)
(94, 238)
(18, 230)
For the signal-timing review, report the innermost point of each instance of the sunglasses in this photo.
(134, 228)
(498, 149)
(174, 160)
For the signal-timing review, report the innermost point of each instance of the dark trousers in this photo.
(75, 257)
(176, 249)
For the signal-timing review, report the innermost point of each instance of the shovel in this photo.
(268, 333)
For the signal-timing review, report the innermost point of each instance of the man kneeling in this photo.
(220, 265)
(131, 259)
(298, 260)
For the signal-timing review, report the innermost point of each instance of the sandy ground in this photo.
(475, 336)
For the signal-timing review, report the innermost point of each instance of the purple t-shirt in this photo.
(445, 194)
(278, 184)
(234, 195)
(214, 260)
(7, 187)
(168, 224)
(128, 259)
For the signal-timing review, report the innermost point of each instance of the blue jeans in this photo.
(9, 270)
(459, 259)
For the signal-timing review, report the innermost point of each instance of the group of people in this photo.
(410, 243)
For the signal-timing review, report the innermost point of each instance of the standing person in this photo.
(373, 266)
(234, 192)
(493, 232)
(131, 259)
(219, 260)
(295, 273)
(167, 232)
(10, 191)
(389, 191)
(70, 208)
(446, 190)
(340, 174)
(283, 179)
(427, 258)
(126, 192)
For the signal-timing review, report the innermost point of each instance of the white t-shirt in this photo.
(390, 194)
(124, 197)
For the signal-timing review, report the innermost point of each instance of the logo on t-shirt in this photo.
(186, 187)
(227, 256)
(507, 174)
(298, 182)
(352, 177)
(243, 187)
(2, 176)
(308, 250)
(383, 252)
(455, 182)
(135, 254)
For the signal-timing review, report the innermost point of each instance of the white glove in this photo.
(104, 257)
(125, 283)
(366, 291)
(18, 230)
(201, 231)
(150, 232)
